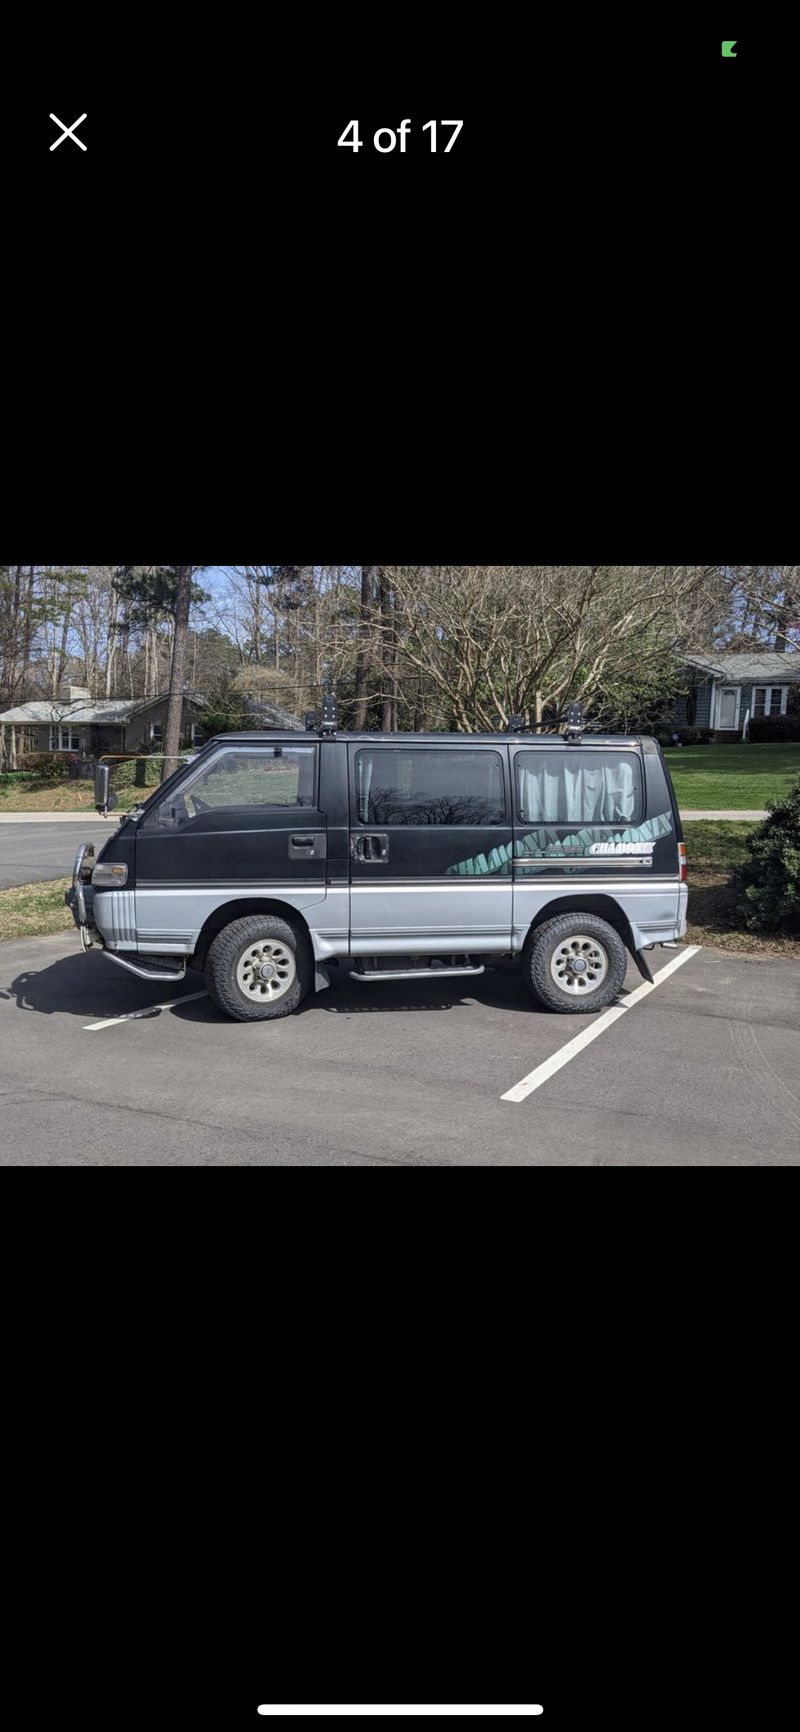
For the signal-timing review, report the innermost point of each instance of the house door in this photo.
(729, 708)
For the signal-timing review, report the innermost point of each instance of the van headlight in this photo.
(109, 876)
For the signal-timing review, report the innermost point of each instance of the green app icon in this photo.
(727, 50)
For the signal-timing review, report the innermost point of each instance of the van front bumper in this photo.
(79, 898)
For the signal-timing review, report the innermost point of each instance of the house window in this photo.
(156, 733)
(770, 700)
(64, 739)
(196, 733)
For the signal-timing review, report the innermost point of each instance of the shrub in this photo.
(10, 778)
(769, 882)
(769, 729)
(137, 773)
(51, 766)
(123, 774)
(687, 736)
(149, 771)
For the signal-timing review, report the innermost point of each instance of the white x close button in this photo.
(68, 132)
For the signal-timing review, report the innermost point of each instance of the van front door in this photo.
(430, 849)
(246, 820)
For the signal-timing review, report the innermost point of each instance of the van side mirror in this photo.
(104, 801)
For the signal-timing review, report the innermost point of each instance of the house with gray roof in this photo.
(725, 693)
(91, 727)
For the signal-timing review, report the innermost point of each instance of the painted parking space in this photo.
(596, 1026)
(101, 1068)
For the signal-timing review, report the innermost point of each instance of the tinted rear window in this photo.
(424, 785)
(575, 787)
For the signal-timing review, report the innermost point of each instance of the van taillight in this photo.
(682, 859)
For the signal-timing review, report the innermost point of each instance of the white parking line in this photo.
(439, 1708)
(573, 1047)
(130, 1015)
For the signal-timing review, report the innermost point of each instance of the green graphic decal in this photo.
(545, 844)
(727, 50)
(484, 865)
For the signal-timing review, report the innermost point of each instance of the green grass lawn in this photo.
(713, 850)
(32, 910)
(61, 796)
(711, 778)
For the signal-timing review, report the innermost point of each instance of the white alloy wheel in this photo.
(266, 970)
(579, 965)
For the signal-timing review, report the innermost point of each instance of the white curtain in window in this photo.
(579, 792)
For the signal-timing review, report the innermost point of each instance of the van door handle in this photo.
(308, 845)
(372, 847)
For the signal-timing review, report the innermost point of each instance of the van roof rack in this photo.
(327, 720)
(574, 724)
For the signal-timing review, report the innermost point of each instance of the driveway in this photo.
(33, 851)
(702, 1071)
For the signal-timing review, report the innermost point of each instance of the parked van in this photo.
(275, 857)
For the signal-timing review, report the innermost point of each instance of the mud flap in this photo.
(643, 965)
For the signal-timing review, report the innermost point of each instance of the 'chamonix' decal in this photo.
(591, 843)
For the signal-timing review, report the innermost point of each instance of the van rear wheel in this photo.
(575, 963)
(258, 968)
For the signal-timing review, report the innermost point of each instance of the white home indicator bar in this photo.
(437, 1708)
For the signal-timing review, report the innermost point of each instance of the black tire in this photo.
(233, 972)
(548, 952)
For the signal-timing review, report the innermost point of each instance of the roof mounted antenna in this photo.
(516, 725)
(574, 725)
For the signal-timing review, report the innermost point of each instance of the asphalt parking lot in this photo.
(31, 853)
(700, 1072)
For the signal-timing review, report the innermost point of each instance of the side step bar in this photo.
(146, 973)
(411, 973)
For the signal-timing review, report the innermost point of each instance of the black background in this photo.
(576, 316)
(271, 1445)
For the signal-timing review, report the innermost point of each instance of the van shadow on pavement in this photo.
(502, 989)
(92, 988)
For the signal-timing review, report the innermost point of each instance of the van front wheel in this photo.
(575, 963)
(258, 968)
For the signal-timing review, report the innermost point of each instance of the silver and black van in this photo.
(273, 858)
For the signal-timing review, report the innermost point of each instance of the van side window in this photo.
(576, 787)
(258, 778)
(422, 785)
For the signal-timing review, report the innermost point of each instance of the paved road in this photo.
(702, 1072)
(35, 851)
(727, 817)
